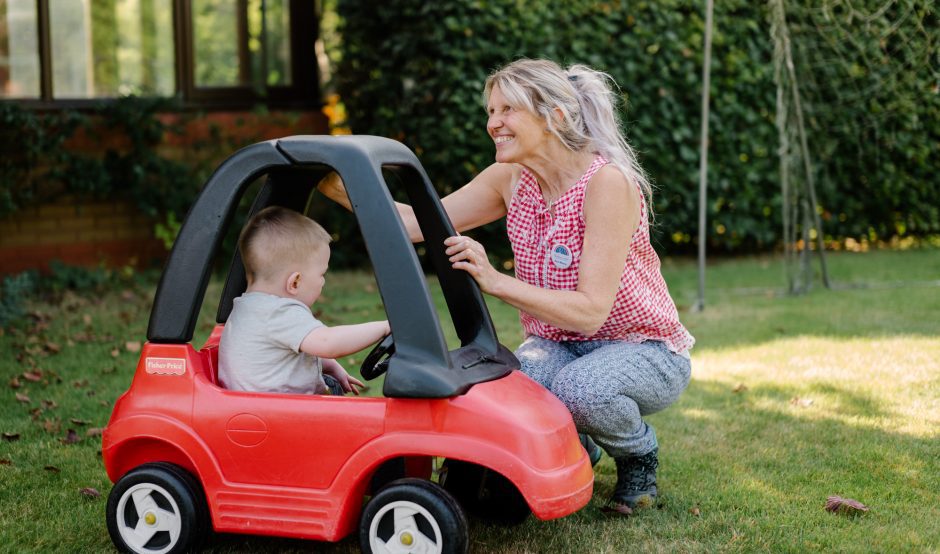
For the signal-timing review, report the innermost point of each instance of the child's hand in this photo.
(348, 382)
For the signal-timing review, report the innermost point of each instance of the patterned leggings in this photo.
(608, 386)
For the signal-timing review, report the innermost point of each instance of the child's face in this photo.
(312, 277)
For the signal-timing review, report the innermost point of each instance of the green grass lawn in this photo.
(792, 399)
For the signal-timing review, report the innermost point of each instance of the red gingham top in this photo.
(547, 249)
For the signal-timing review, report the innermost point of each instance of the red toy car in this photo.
(186, 454)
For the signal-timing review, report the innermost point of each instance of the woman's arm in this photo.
(481, 201)
(611, 214)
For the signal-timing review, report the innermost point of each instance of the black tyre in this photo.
(483, 493)
(157, 508)
(413, 515)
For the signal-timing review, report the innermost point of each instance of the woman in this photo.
(602, 332)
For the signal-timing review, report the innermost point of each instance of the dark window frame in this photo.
(303, 93)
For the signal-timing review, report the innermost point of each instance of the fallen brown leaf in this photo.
(20, 397)
(115, 353)
(128, 295)
(801, 402)
(52, 469)
(6, 462)
(15, 383)
(80, 383)
(132, 346)
(53, 347)
(740, 387)
(838, 504)
(11, 437)
(49, 404)
(695, 511)
(33, 376)
(77, 421)
(90, 492)
(94, 432)
(71, 437)
(87, 319)
(51, 425)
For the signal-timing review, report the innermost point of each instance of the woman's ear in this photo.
(293, 282)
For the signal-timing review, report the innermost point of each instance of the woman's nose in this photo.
(494, 122)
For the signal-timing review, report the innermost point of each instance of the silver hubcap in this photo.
(414, 530)
(156, 511)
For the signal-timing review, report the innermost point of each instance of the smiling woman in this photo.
(602, 333)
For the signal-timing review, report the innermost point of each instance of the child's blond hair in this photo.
(275, 237)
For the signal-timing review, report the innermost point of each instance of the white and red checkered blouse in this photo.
(547, 248)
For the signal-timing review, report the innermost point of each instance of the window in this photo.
(225, 53)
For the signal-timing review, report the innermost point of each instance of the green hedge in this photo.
(413, 70)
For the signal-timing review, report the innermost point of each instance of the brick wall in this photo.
(85, 233)
(115, 233)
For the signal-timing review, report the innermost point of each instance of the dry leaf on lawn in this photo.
(115, 353)
(90, 492)
(132, 346)
(94, 432)
(15, 383)
(838, 504)
(71, 437)
(740, 387)
(52, 469)
(695, 511)
(77, 421)
(33, 376)
(801, 402)
(6, 462)
(11, 437)
(20, 397)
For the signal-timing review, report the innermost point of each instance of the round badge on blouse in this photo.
(561, 256)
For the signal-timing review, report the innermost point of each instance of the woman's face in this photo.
(516, 133)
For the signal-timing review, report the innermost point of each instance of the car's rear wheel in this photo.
(483, 493)
(413, 515)
(157, 509)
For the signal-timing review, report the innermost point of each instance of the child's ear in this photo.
(293, 282)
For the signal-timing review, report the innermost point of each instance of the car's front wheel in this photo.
(413, 515)
(157, 509)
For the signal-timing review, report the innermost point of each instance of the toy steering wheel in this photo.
(376, 363)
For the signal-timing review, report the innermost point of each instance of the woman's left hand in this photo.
(470, 256)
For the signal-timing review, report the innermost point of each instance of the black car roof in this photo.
(422, 366)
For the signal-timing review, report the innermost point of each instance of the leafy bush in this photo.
(414, 71)
(14, 289)
(40, 162)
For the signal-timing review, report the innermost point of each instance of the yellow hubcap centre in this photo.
(150, 518)
(407, 539)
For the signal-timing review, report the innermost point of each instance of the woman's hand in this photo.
(470, 256)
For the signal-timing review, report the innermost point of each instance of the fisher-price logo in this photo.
(166, 366)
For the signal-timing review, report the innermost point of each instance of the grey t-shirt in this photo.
(260, 347)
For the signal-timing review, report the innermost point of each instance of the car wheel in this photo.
(483, 493)
(413, 515)
(157, 509)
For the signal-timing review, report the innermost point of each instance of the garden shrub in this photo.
(414, 70)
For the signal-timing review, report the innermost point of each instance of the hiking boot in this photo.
(594, 451)
(636, 483)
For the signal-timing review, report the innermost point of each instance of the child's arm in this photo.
(343, 340)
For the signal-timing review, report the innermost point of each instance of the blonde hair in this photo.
(587, 100)
(276, 236)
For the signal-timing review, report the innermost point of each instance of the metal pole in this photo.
(703, 157)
